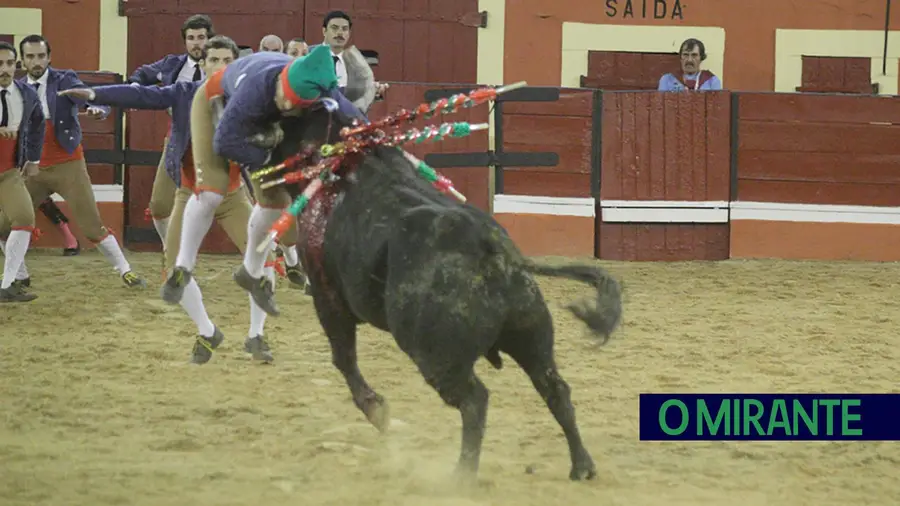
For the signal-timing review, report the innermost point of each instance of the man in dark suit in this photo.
(62, 168)
(232, 213)
(173, 68)
(355, 78)
(21, 144)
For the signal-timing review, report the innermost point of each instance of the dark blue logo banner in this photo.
(769, 417)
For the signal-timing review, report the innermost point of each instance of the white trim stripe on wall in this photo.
(534, 204)
(668, 211)
(664, 211)
(814, 213)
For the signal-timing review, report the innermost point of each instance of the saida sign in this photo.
(645, 9)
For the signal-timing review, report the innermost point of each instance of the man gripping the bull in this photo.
(234, 106)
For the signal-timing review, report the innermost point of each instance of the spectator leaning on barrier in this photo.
(692, 53)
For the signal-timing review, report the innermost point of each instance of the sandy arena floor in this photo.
(98, 405)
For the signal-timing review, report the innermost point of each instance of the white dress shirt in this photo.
(340, 69)
(14, 106)
(187, 71)
(41, 91)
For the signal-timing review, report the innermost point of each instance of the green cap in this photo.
(308, 76)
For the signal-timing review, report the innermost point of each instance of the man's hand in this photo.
(8, 133)
(380, 88)
(30, 169)
(79, 93)
(94, 112)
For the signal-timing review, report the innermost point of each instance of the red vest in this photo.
(693, 84)
(7, 154)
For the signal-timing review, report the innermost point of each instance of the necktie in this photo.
(37, 86)
(335, 58)
(4, 118)
(196, 72)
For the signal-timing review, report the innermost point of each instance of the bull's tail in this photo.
(602, 315)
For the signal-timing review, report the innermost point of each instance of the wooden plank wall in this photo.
(563, 127)
(818, 149)
(473, 182)
(836, 74)
(664, 146)
(791, 148)
(630, 71)
(100, 134)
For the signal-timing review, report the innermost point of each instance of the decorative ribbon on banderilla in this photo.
(360, 138)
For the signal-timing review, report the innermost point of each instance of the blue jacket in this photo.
(64, 110)
(30, 142)
(249, 91)
(164, 71)
(178, 96)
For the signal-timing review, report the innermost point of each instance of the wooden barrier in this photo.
(716, 175)
(664, 176)
(564, 127)
(101, 135)
(145, 134)
(640, 175)
(473, 182)
(816, 177)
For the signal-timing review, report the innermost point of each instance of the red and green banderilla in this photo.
(289, 215)
(353, 145)
(428, 110)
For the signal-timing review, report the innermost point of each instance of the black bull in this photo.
(382, 246)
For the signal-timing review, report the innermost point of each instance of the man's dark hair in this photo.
(297, 39)
(337, 15)
(221, 42)
(9, 47)
(33, 39)
(197, 22)
(690, 44)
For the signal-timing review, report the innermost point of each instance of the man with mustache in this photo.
(62, 166)
(21, 146)
(233, 213)
(243, 102)
(183, 67)
(355, 78)
(692, 53)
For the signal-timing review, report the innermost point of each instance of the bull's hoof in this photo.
(465, 474)
(377, 412)
(585, 471)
